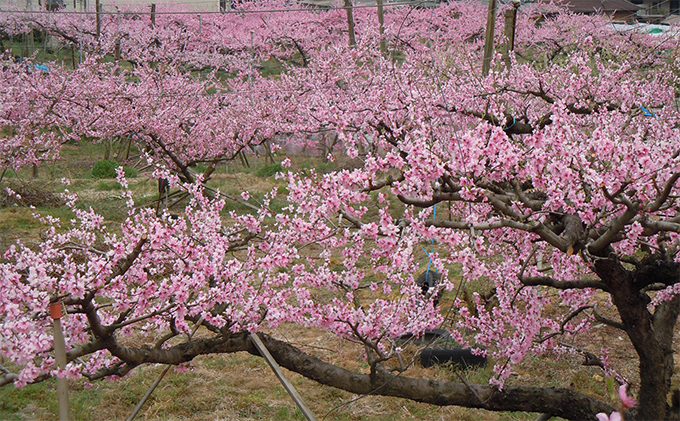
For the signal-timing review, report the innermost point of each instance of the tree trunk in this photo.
(651, 335)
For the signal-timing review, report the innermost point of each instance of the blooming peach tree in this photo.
(554, 177)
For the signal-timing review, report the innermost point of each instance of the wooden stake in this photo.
(488, 41)
(350, 23)
(148, 393)
(116, 49)
(60, 351)
(98, 8)
(156, 382)
(381, 28)
(153, 15)
(279, 373)
(510, 22)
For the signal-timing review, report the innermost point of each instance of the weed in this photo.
(268, 170)
(108, 185)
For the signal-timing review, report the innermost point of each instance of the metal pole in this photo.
(60, 351)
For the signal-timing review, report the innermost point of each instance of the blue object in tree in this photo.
(646, 112)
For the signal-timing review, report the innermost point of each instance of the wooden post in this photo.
(116, 48)
(60, 351)
(381, 28)
(279, 373)
(350, 23)
(488, 41)
(98, 11)
(510, 22)
(153, 15)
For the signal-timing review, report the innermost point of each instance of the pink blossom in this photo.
(615, 416)
(626, 401)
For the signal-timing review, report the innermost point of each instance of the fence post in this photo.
(60, 351)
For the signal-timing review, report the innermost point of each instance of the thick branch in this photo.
(653, 227)
(607, 321)
(564, 403)
(665, 193)
(536, 227)
(8, 378)
(615, 228)
(554, 283)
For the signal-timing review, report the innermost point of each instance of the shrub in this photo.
(107, 169)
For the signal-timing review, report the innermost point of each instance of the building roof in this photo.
(672, 20)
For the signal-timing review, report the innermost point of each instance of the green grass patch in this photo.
(268, 170)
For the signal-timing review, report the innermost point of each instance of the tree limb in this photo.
(554, 283)
(564, 403)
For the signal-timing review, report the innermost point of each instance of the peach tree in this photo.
(556, 174)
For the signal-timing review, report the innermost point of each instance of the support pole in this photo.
(98, 9)
(381, 28)
(156, 382)
(510, 23)
(153, 15)
(350, 23)
(279, 373)
(60, 351)
(488, 41)
(148, 393)
(116, 48)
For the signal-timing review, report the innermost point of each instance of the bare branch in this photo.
(665, 193)
(140, 318)
(536, 227)
(567, 319)
(614, 229)
(354, 221)
(554, 283)
(658, 226)
(607, 321)
(8, 378)
(534, 205)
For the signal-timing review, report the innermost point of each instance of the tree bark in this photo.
(651, 335)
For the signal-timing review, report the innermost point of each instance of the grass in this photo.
(228, 387)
